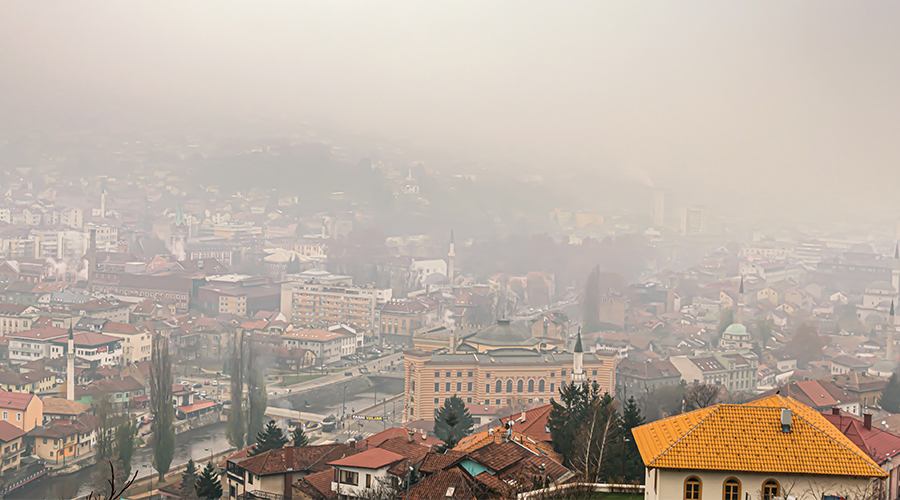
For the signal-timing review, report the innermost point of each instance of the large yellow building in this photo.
(503, 366)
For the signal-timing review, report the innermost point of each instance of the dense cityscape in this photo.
(319, 251)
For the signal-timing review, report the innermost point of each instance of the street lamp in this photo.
(624, 458)
(210, 453)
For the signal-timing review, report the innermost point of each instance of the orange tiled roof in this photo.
(498, 434)
(748, 438)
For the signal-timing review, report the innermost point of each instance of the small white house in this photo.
(775, 447)
(367, 474)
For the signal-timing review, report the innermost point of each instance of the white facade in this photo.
(422, 269)
(104, 355)
(669, 484)
(357, 482)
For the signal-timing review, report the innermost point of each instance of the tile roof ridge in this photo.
(864, 457)
(688, 433)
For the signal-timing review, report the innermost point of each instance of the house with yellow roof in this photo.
(774, 447)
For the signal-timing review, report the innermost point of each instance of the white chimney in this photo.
(785, 420)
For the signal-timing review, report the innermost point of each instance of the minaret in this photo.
(103, 204)
(450, 255)
(739, 309)
(578, 361)
(70, 368)
(890, 335)
(895, 274)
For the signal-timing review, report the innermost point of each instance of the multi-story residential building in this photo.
(31, 382)
(734, 371)
(636, 377)
(320, 306)
(25, 411)
(327, 346)
(96, 348)
(373, 470)
(238, 294)
(777, 448)
(177, 288)
(502, 366)
(135, 341)
(66, 441)
(16, 318)
(400, 319)
(271, 474)
(33, 344)
(11, 446)
(103, 237)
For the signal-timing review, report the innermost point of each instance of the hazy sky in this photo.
(779, 98)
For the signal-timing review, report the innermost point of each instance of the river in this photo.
(191, 444)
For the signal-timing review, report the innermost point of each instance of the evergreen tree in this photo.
(189, 481)
(453, 421)
(162, 437)
(236, 429)
(591, 302)
(209, 486)
(270, 438)
(298, 438)
(126, 432)
(633, 465)
(256, 392)
(890, 395)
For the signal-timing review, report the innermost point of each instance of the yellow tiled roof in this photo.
(748, 438)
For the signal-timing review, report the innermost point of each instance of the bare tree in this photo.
(699, 395)
(116, 490)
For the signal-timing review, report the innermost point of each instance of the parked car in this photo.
(203, 394)
(348, 374)
(215, 383)
(198, 385)
(206, 382)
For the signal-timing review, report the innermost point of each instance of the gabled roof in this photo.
(879, 444)
(59, 406)
(317, 486)
(88, 339)
(535, 423)
(749, 438)
(306, 458)
(374, 458)
(15, 400)
(435, 462)
(9, 432)
(375, 440)
(453, 483)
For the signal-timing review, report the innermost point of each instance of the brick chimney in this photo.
(289, 472)
(410, 435)
(867, 421)
(835, 410)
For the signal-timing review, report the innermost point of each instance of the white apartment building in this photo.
(328, 346)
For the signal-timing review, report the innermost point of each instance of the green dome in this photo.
(736, 329)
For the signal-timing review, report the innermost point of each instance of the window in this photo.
(498, 402)
(437, 387)
(595, 373)
(531, 386)
(368, 480)
(469, 387)
(487, 389)
(468, 400)
(435, 400)
(509, 386)
(5, 415)
(447, 387)
(448, 374)
(437, 374)
(541, 386)
(498, 387)
(563, 373)
(732, 489)
(350, 477)
(771, 488)
(520, 385)
(692, 486)
(459, 387)
(459, 374)
(552, 386)
(469, 375)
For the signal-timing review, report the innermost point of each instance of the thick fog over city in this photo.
(366, 250)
